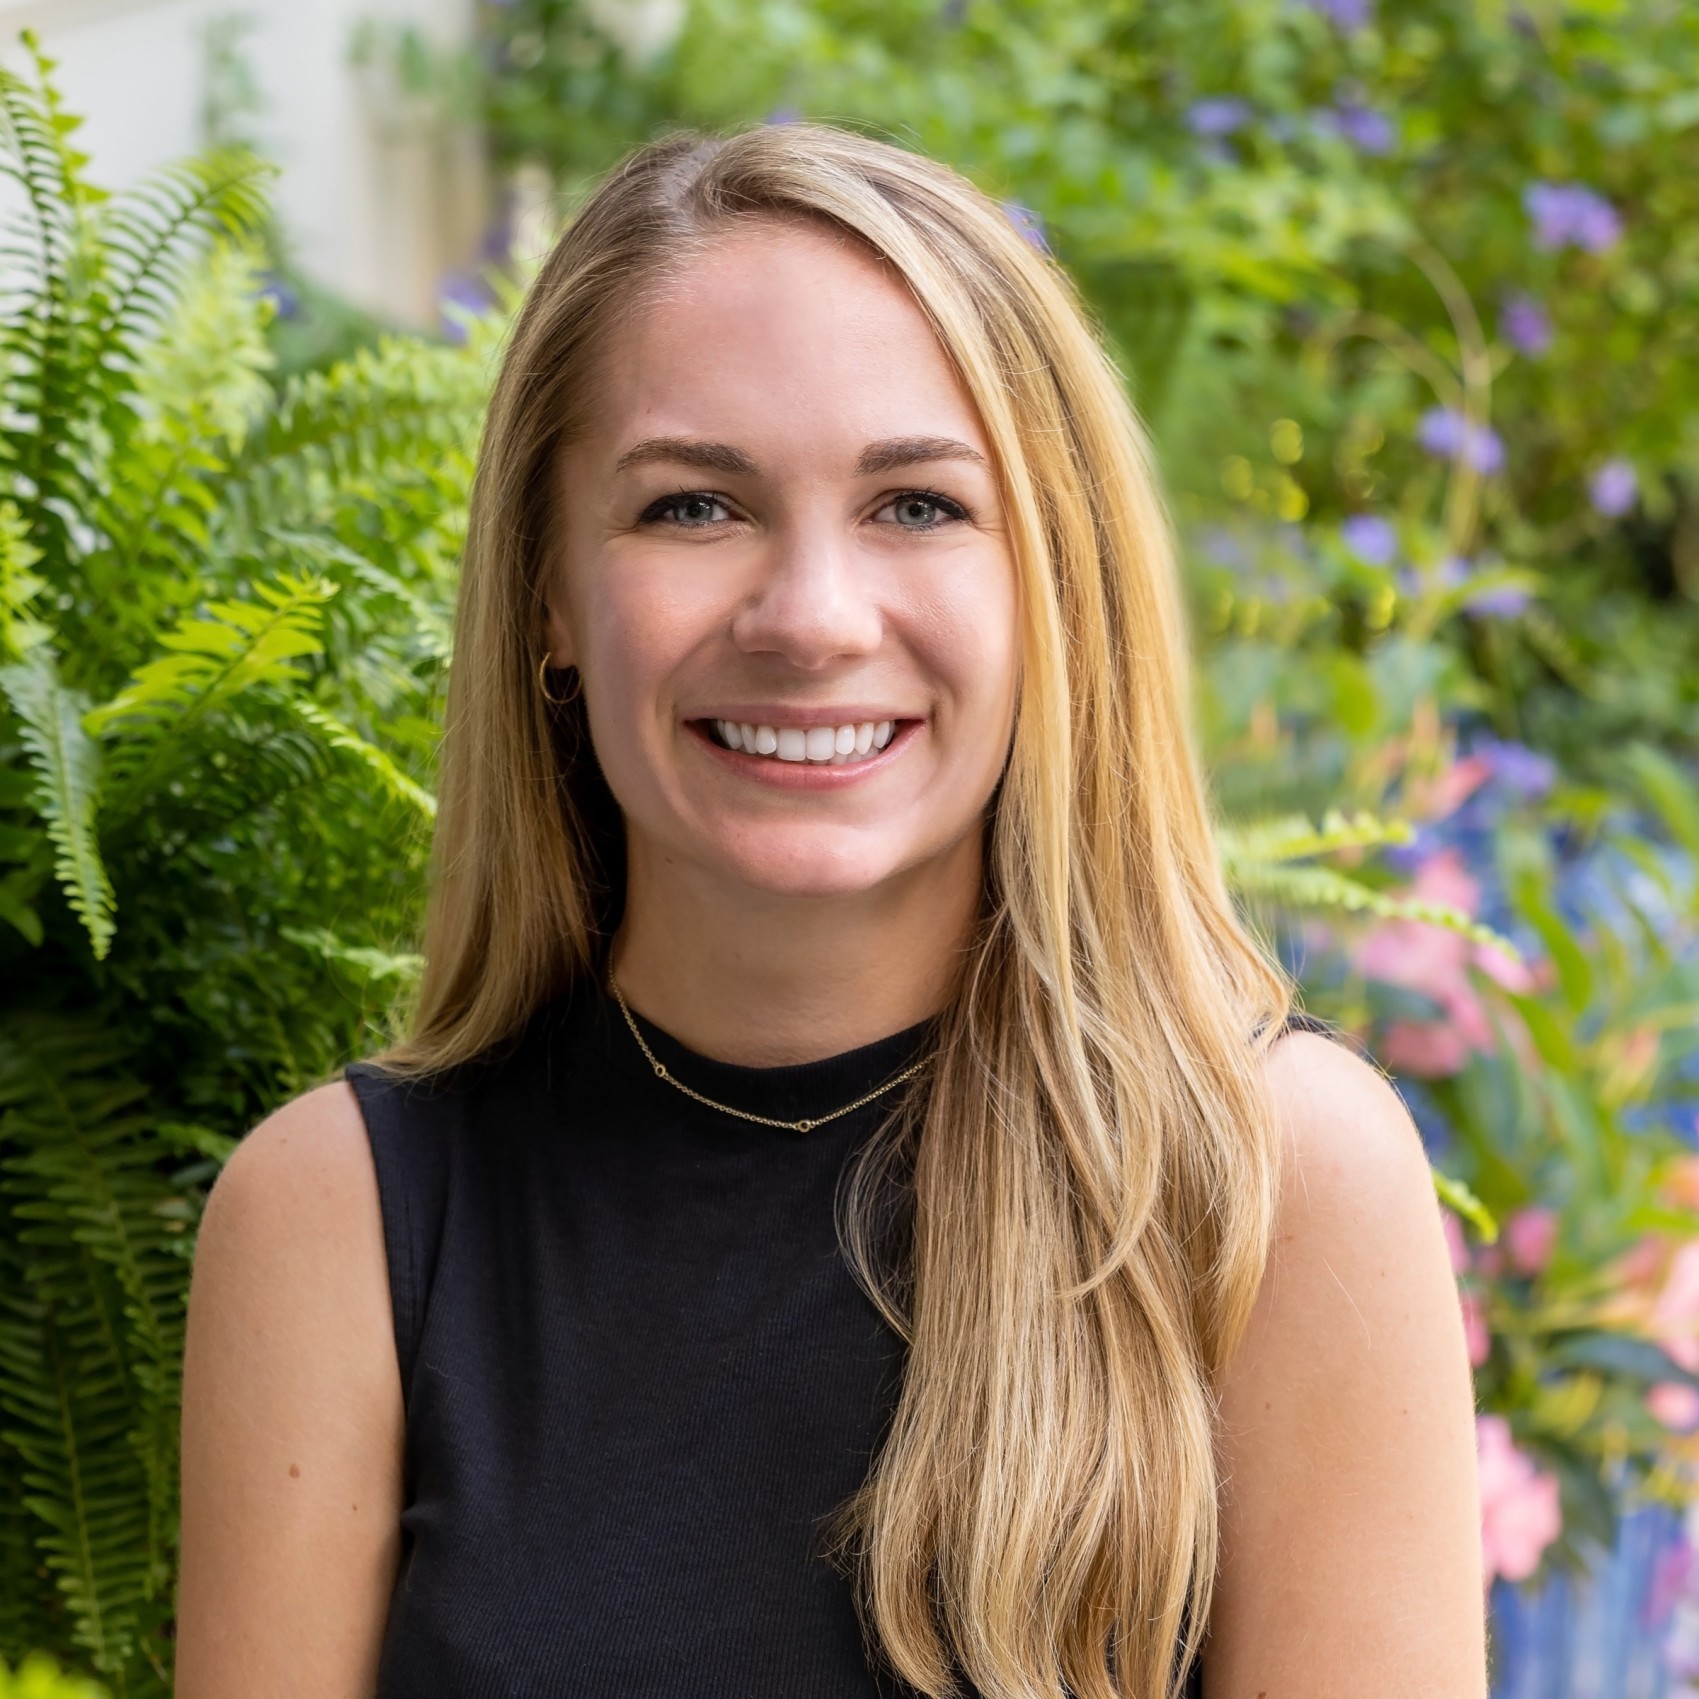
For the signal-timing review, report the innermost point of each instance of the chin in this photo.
(813, 866)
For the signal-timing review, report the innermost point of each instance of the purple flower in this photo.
(1501, 599)
(1524, 324)
(784, 115)
(1518, 768)
(285, 301)
(1613, 488)
(1367, 130)
(1219, 115)
(460, 293)
(1444, 574)
(1369, 538)
(1571, 214)
(1030, 225)
(1344, 14)
(1446, 434)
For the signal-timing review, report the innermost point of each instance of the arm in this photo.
(292, 1418)
(1351, 1547)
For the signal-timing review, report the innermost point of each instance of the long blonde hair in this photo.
(1090, 1174)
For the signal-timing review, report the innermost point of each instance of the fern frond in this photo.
(371, 966)
(68, 771)
(20, 630)
(1294, 838)
(91, 1337)
(400, 402)
(380, 765)
(212, 658)
(1328, 888)
(150, 230)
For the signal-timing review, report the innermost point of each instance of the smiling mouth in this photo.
(822, 746)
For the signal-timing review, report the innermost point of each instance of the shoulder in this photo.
(293, 1423)
(291, 1245)
(1358, 1248)
(304, 1173)
(1348, 1142)
(1350, 1536)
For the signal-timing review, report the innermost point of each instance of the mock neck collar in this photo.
(790, 1092)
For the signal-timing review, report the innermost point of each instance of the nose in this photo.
(810, 604)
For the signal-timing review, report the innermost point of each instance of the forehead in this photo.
(787, 335)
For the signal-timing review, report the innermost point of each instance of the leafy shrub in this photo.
(223, 623)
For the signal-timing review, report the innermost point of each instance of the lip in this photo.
(777, 714)
(802, 775)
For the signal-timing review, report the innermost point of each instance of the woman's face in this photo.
(784, 576)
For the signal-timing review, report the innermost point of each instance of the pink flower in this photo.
(1436, 962)
(1455, 1242)
(1507, 970)
(1521, 1513)
(1475, 1334)
(1675, 1404)
(1429, 1049)
(1676, 1309)
(1530, 1236)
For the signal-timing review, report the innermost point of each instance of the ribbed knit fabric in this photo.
(638, 1374)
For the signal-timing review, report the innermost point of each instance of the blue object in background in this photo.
(1605, 1634)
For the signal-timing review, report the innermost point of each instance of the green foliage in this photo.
(223, 621)
(39, 1677)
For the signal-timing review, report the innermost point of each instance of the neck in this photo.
(761, 980)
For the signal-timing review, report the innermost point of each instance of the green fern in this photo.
(253, 584)
(67, 763)
(1259, 860)
(210, 659)
(90, 1332)
(338, 736)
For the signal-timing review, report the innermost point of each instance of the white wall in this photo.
(379, 196)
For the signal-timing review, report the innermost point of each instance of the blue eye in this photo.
(923, 510)
(688, 509)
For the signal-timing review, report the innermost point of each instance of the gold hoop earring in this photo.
(543, 683)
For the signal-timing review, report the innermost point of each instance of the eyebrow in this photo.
(897, 452)
(887, 456)
(687, 451)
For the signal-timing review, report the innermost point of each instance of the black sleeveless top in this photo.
(638, 1375)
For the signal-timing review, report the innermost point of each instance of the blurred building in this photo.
(361, 104)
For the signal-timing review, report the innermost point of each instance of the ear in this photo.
(557, 632)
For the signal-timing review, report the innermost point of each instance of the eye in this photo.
(687, 509)
(921, 510)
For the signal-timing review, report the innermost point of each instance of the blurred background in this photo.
(1408, 294)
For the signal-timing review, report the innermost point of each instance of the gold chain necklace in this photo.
(803, 1126)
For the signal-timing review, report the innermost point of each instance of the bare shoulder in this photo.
(1350, 1524)
(292, 1416)
(1350, 1147)
(304, 1172)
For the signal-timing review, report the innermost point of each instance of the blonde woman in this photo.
(847, 1217)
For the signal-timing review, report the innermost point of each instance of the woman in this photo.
(820, 831)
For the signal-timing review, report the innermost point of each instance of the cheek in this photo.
(971, 629)
(642, 626)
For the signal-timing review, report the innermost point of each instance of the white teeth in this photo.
(821, 745)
